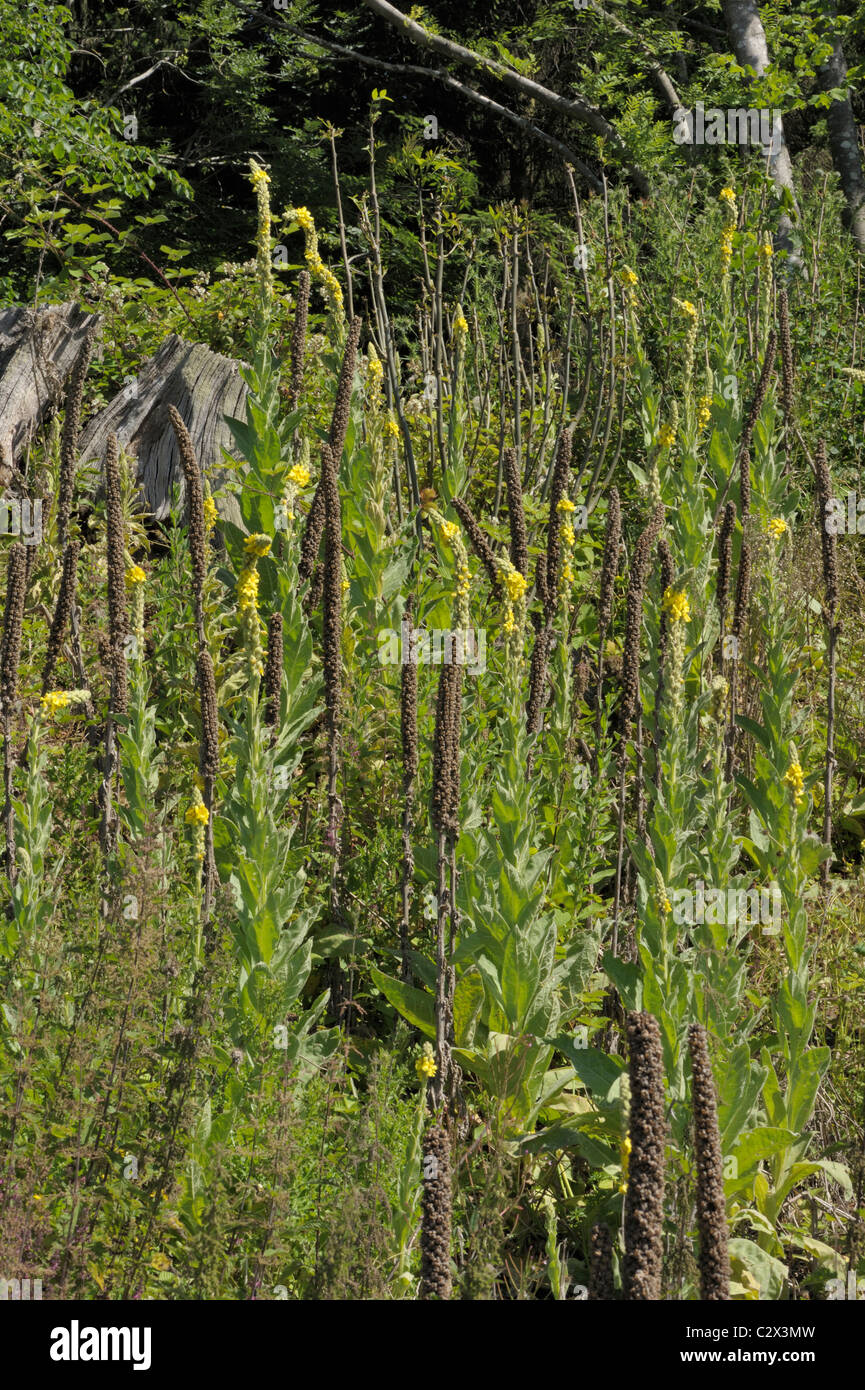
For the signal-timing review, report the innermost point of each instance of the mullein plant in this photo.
(10, 656)
(69, 436)
(787, 853)
(711, 1202)
(643, 1219)
(409, 742)
(445, 811)
(200, 519)
(547, 585)
(118, 629)
(829, 547)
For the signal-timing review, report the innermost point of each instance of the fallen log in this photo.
(204, 387)
(38, 349)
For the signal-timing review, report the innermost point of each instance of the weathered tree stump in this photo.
(38, 349)
(204, 387)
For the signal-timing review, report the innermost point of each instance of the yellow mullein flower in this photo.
(776, 527)
(765, 250)
(566, 505)
(197, 814)
(391, 428)
(210, 513)
(666, 437)
(461, 326)
(795, 780)
(625, 1149)
(55, 700)
(257, 545)
(704, 412)
(516, 585)
(303, 217)
(299, 475)
(677, 605)
(628, 276)
(247, 589)
(449, 530)
(134, 575)
(425, 1065)
(687, 308)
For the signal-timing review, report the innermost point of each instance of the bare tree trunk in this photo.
(844, 134)
(748, 40)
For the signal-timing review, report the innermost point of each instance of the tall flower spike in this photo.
(62, 612)
(787, 375)
(610, 561)
(827, 538)
(711, 1204)
(665, 558)
(69, 437)
(601, 1286)
(561, 471)
(743, 590)
(273, 670)
(446, 751)
(332, 625)
(408, 704)
(209, 744)
(480, 544)
(13, 620)
(759, 394)
(634, 615)
(195, 517)
(342, 403)
(538, 679)
(644, 1199)
(118, 612)
(516, 513)
(725, 559)
(298, 339)
(435, 1239)
(310, 542)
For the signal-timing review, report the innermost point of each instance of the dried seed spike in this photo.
(479, 542)
(446, 751)
(209, 745)
(69, 437)
(644, 1199)
(610, 561)
(408, 699)
(516, 513)
(62, 611)
(194, 496)
(787, 371)
(634, 615)
(828, 541)
(342, 404)
(273, 670)
(743, 590)
(118, 613)
(436, 1214)
(557, 491)
(332, 614)
(725, 561)
(13, 620)
(310, 543)
(711, 1204)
